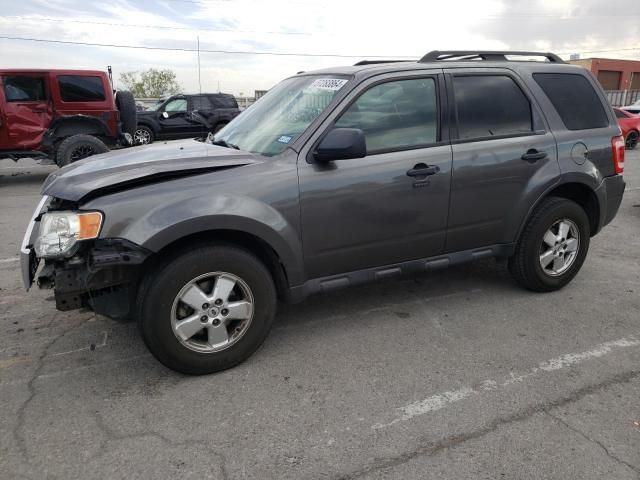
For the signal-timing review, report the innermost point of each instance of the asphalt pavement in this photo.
(458, 374)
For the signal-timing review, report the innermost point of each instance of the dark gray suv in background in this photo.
(334, 178)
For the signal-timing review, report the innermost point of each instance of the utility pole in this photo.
(199, 82)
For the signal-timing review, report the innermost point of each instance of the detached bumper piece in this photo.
(103, 278)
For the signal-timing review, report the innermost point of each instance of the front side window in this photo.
(282, 114)
(25, 88)
(489, 106)
(76, 88)
(177, 105)
(395, 115)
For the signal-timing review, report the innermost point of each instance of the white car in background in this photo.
(633, 108)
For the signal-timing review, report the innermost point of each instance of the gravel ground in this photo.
(458, 374)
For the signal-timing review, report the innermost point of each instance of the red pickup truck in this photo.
(65, 115)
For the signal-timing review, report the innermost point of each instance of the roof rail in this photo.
(439, 55)
(375, 62)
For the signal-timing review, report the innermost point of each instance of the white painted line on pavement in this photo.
(9, 260)
(444, 399)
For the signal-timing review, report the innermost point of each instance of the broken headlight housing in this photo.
(60, 232)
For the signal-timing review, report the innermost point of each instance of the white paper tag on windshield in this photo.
(329, 83)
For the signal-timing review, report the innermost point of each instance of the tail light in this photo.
(617, 144)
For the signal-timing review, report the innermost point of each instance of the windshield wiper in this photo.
(224, 143)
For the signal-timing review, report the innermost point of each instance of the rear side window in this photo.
(575, 100)
(76, 88)
(201, 103)
(490, 105)
(395, 115)
(224, 102)
(619, 114)
(24, 89)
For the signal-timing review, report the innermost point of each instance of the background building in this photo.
(613, 74)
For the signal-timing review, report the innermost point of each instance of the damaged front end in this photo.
(83, 270)
(102, 277)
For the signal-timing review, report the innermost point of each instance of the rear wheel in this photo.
(77, 147)
(631, 141)
(553, 246)
(207, 309)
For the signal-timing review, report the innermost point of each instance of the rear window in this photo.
(575, 100)
(619, 114)
(24, 88)
(76, 88)
(490, 105)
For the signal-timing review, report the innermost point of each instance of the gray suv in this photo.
(334, 178)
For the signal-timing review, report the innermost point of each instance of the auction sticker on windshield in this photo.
(328, 83)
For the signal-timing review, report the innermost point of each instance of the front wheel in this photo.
(207, 309)
(553, 246)
(631, 142)
(143, 135)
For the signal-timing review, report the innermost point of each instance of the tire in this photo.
(143, 135)
(631, 142)
(526, 264)
(77, 147)
(126, 104)
(160, 307)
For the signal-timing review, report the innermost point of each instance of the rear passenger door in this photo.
(380, 209)
(504, 157)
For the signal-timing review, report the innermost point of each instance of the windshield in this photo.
(272, 123)
(157, 105)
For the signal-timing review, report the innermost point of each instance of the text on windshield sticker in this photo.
(329, 83)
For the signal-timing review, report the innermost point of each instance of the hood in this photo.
(113, 170)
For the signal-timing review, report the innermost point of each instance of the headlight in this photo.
(60, 232)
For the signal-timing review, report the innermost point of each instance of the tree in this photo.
(151, 83)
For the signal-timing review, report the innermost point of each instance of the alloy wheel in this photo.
(142, 137)
(559, 247)
(81, 151)
(631, 141)
(212, 312)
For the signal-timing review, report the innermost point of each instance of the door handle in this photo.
(39, 110)
(422, 170)
(534, 155)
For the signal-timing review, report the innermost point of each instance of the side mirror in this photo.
(165, 115)
(341, 144)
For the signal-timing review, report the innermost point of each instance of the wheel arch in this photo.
(584, 194)
(253, 243)
(77, 125)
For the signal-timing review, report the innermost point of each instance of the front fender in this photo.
(163, 225)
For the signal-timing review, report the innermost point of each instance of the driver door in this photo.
(174, 119)
(369, 212)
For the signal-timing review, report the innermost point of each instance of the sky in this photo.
(350, 30)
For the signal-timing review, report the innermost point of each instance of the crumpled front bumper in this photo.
(28, 260)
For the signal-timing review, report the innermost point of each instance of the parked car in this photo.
(185, 116)
(633, 108)
(630, 126)
(65, 115)
(334, 178)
